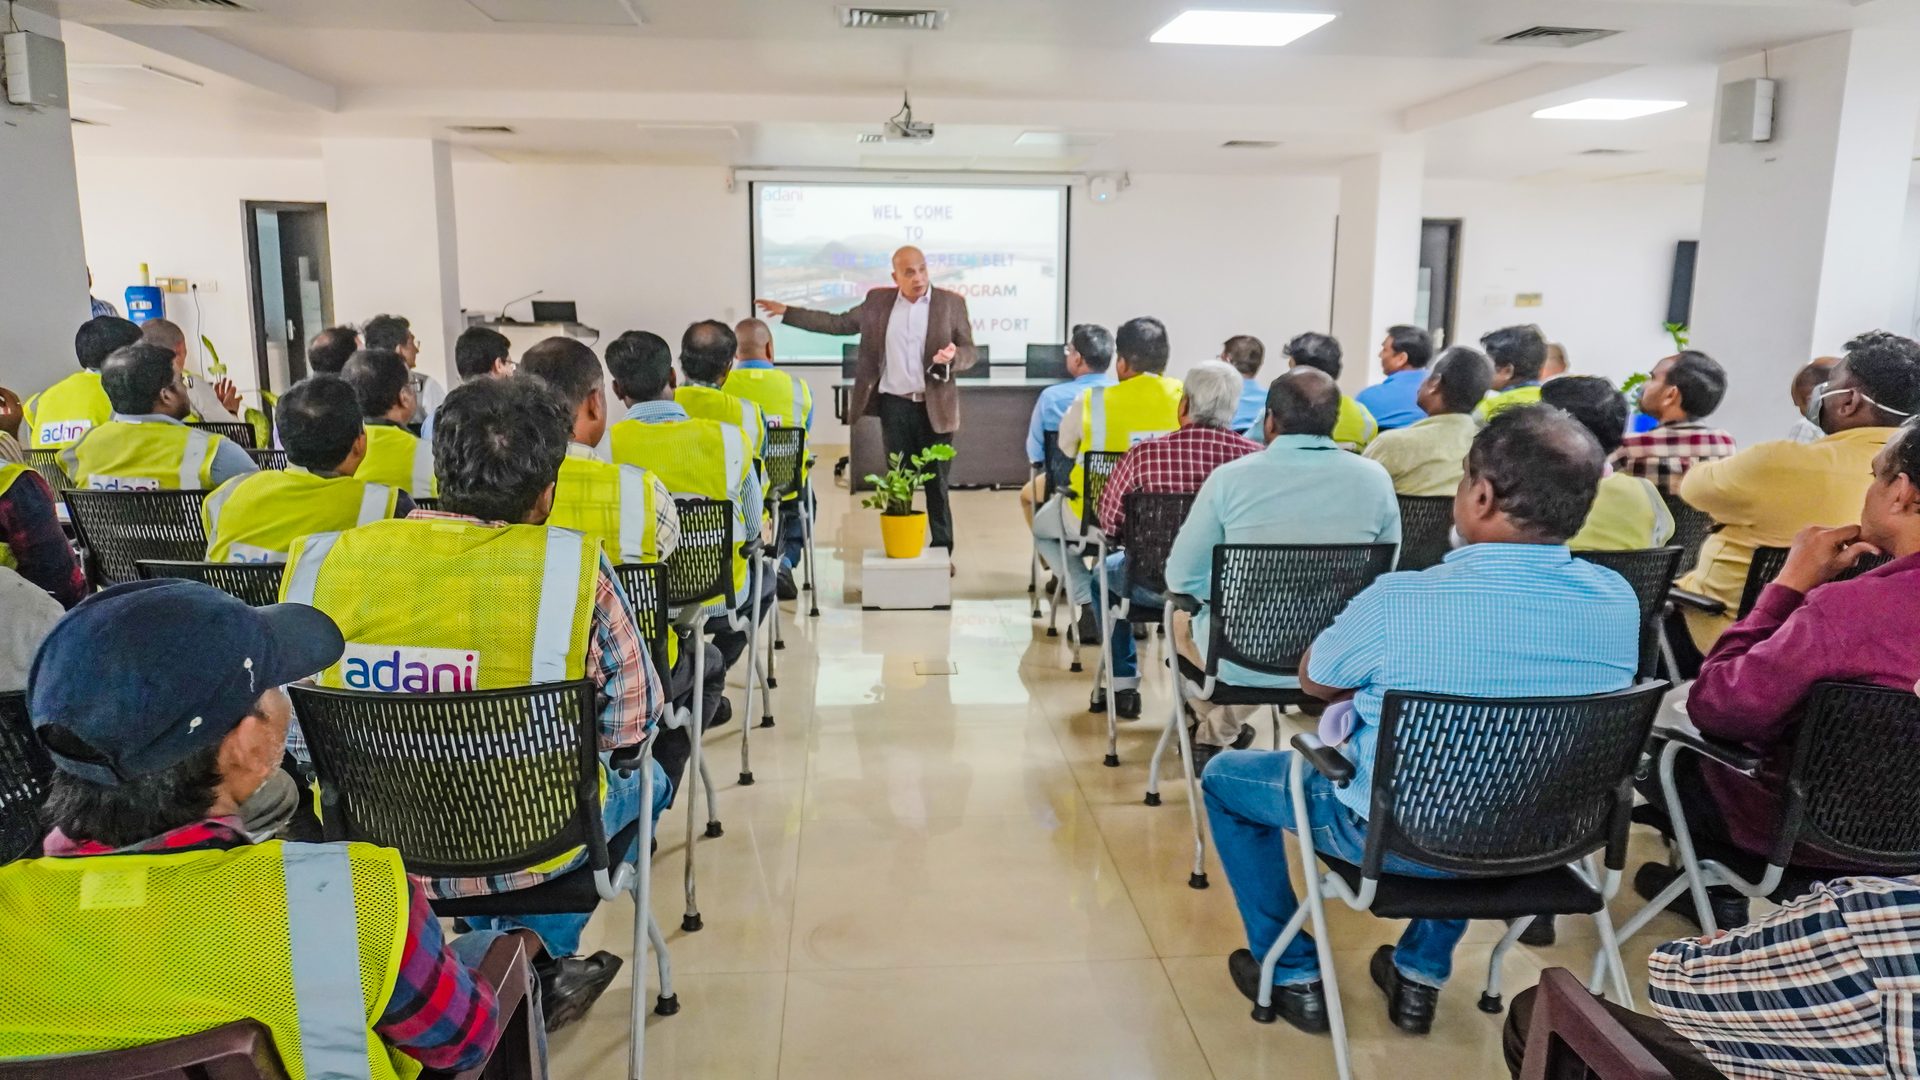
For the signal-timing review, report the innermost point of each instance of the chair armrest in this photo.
(627, 758)
(1731, 754)
(1706, 605)
(508, 969)
(1327, 761)
(1183, 602)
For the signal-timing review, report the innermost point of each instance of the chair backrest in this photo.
(119, 528)
(701, 568)
(241, 1050)
(982, 365)
(47, 464)
(236, 432)
(24, 772)
(1492, 787)
(1269, 601)
(1690, 529)
(462, 785)
(254, 584)
(424, 502)
(1769, 561)
(646, 587)
(1058, 466)
(1153, 520)
(1854, 786)
(784, 452)
(850, 360)
(1096, 468)
(1047, 362)
(1574, 1037)
(269, 459)
(1426, 530)
(1650, 572)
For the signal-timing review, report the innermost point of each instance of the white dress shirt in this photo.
(905, 374)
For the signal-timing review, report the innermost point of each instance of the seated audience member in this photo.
(1247, 354)
(1556, 364)
(1805, 381)
(217, 400)
(31, 540)
(1518, 354)
(12, 415)
(785, 401)
(1395, 401)
(1089, 355)
(31, 613)
(1765, 494)
(146, 446)
(1628, 513)
(98, 306)
(1109, 419)
(706, 359)
(479, 353)
(1682, 391)
(1428, 457)
(257, 517)
(56, 417)
(395, 456)
(1302, 489)
(156, 756)
(1176, 463)
(331, 349)
(469, 579)
(393, 333)
(1356, 427)
(1530, 477)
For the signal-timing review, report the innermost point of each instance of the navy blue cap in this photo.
(144, 675)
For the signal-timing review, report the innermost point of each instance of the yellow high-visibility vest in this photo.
(9, 474)
(1355, 427)
(785, 400)
(142, 455)
(1500, 401)
(706, 403)
(1113, 418)
(114, 951)
(398, 458)
(57, 416)
(695, 457)
(257, 517)
(616, 507)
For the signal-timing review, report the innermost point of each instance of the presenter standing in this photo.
(913, 338)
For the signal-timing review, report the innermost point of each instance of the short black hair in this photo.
(1094, 343)
(319, 421)
(1522, 348)
(478, 349)
(1544, 467)
(1414, 341)
(386, 331)
(1304, 404)
(707, 350)
(1594, 402)
(133, 377)
(102, 337)
(1905, 458)
(1887, 367)
(331, 349)
(1142, 343)
(641, 363)
(1701, 380)
(566, 365)
(1315, 351)
(497, 444)
(377, 376)
(121, 815)
(1246, 353)
(1462, 376)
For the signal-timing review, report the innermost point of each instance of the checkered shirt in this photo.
(1664, 454)
(1176, 463)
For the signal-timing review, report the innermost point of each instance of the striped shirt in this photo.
(1826, 986)
(1490, 621)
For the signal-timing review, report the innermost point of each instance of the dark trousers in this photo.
(1668, 1047)
(675, 745)
(905, 430)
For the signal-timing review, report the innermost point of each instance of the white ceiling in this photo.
(779, 83)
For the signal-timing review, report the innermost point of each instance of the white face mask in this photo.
(1454, 539)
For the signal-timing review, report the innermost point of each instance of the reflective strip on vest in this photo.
(636, 512)
(216, 502)
(734, 440)
(304, 575)
(323, 943)
(799, 401)
(373, 503)
(422, 468)
(193, 456)
(553, 624)
(1096, 422)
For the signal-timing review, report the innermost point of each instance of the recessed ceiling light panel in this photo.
(1607, 109)
(1267, 28)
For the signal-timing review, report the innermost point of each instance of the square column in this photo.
(1376, 279)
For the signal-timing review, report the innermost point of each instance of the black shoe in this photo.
(1409, 1005)
(570, 986)
(722, 713)
(783, 586)
(1304, 1005)
(1127, 703)
(1539, 933)
(1205, 752)
(1088, 626)
(1729, 906)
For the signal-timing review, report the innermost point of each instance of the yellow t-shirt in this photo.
(1628, 515)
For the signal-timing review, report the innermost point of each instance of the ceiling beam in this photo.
(201, 49)
(1522, 85)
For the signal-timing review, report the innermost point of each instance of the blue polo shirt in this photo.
(1391, 401)
(1253, 405)
(1053, 405)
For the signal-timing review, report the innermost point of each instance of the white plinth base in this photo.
(922, 584)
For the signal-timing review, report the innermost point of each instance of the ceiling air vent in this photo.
(1555, 37)
(480, 129)
(872, 137)
(193, 5)
(1249, 144)
(875, 18)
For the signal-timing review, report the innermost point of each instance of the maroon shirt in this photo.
(1752, 687)
(30, 527)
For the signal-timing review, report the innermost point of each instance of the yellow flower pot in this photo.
(904, 536)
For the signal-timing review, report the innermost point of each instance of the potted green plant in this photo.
(903, 531)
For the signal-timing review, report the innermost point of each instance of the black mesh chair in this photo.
(423, 502)
(239, 433)
(1152, 522)
(1650, 573)
(254, 584)
(1766, 565)
(119, 528)
(1268, 602)
(982, 365)
(1426, 530)
(24, 772)
(475, 784)
(1690, 529)
(1096, 467)
(1055, 469)
(269, 459)
(787, 492)
(1509, 796)
(47, 464)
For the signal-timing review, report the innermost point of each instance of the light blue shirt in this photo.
(1391, 401)
(1302, 489)
(1253, 406)
(230, 459)
(666, 412)
(1492, 621)
(1053, 405)
(762, 365)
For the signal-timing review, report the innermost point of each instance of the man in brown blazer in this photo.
(912, 340)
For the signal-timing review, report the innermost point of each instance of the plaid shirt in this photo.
(1664, 454)
(30, 528)
(1824, 987)
(1176, 463)
(440, 1014)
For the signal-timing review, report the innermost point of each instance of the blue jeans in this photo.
(471, 949)
(1126, 669)
(1250, 808)
(561, 933)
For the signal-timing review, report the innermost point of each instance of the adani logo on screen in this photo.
(399, 669)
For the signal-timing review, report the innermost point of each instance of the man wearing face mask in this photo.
(1764, 495)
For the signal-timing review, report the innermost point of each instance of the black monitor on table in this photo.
(1047, 362)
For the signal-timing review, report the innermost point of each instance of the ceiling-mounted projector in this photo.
(902, 127)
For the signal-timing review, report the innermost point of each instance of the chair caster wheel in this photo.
(1490, 1003)
(779, 645)
(1196, 881)
(1052, 631)
(1075, 666)
(746, 780)
(773, 683)
(691, 924)
(813, 612)
(1265, 1014)
(714, 830)
(1111, 761)
(1153, 798)
(766, 721)
(1036, 613)
(1097, 707)
(668, 1005)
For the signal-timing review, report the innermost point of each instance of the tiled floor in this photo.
(934, 876)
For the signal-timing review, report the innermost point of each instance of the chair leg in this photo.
(669, 1002)
(642, 921)
(1490, 997)
(1610, 948)
(1104, 678)
(1197, 877)
(1159, 752)
(1033, 577)
(696, 770)
(1316, 907)
(813, 593)
(753, 671)
(774, 611)
(1275, 710)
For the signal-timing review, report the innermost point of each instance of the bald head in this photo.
(756, 340)
(1304, 401)
(910, 273)
(168, 336)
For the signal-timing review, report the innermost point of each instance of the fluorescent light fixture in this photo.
(1268, 28)
(1607, 109)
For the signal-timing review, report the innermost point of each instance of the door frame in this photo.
(1449, 317)
(256, 309)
